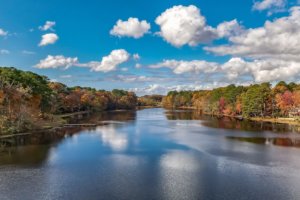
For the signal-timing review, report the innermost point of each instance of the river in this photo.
(154, 154)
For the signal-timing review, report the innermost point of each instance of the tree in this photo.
(254, 100)
(222, 105)
(26, 97)
(285, 101)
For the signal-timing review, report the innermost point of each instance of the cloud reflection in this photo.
(111, 137)
(179, 160)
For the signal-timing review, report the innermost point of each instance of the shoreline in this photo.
(56, 122)
(60, 121)
(279, 120)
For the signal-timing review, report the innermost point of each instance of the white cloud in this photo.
(151, 89)
(184, 25)
(276, 39)
(229, 28)
(4, 51)
(235, 69)
(267, 70)
(49, 38)
(3, 32)
(136, 56)
(131, 28)
(138, 65)
(194, 66)
(47, 26)
(57, 62)
(110, 62)
(271, 5)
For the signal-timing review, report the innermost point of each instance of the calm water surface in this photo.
(154, 154)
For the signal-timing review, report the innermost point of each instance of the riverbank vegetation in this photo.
(255, 101)
(150, 101)
(28, 100)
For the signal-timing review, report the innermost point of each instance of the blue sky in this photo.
(181, 44)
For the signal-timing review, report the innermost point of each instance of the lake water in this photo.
(154, 154)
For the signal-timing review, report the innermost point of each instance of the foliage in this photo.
(26, 97)
(251, 101)
(150, 100)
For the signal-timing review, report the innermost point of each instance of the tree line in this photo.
(150, 100)
(257, 100)
(26, 97)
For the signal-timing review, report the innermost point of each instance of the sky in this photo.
(151, 47)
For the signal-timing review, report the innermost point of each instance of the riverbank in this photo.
(47, 123)
(147, 107)
(66, 120)
(281, 120)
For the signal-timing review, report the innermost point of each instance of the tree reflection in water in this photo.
(34, 148)
(229, 122)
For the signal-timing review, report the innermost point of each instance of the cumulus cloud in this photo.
(267, 53)
(271, 5)
(235, 69)
(3, 32)
(57, 62)
(4, 51)
(276, 39)
(131, 28)
(110, 62)
(47, 26)
(262, 70)
(154, 89)
(229, 29)
(49, 38)
(150, 89)
(194, 66)
(184, 25)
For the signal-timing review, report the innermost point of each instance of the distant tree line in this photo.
(150, 100)
(26, 97)
(258, 100)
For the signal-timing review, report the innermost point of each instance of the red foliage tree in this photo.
(285, 101)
